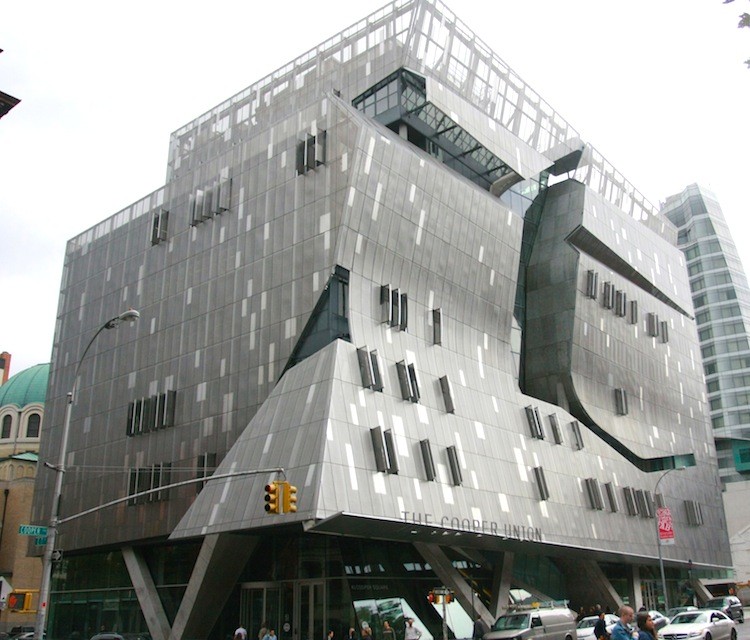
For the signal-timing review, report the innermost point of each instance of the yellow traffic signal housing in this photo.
(290, 498)
(273, 502)
(19, 601)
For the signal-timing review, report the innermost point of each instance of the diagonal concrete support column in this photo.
(587, 585)
(501, 583)
(452, 578)
(145, 591)
(220, 562)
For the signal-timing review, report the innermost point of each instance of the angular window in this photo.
(621, 304)
(535, 422)
(455, 468)
(311, 152)
(633, 312)
(365, 368)
(652, 325)
(384, 449)
(541, 483)
(614, 506)
(390, 450)
(395, 319)
(33, 425)
(160, 226)
(385, 303)
(594, 491)
(377, 378)
(664, 329)
(437, 326)
(403, 321)
(407, 379)
(554, 424)
(224, 196)
(575, 427)
(147, 479)
(447, 391)
(608, 299)
(621, 402)
(427, 460)
(694, 513)
(592, 284)
(630, 503)
(378, 448)
(645, 503)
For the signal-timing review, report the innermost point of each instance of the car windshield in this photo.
(690, 617)
(513, 621)
(587, 623)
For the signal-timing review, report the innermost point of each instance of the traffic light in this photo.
(290, 498)
(19, 601)
(273, 503)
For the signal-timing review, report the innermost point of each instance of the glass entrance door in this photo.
(295, 610)
(311, 608)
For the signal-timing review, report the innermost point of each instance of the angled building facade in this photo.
(390, 274)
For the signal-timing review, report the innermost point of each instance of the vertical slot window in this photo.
(390, 450)
(541, 483)
(535, 422)
(437, 326)
(205, 467)
(633, 312)
(594, 491)
(578, 443)
(592, 284)
(554, 424)
(403, 320)
(385, 303)
(608, 299)
(377, 378)
(614, 505)
(447, 391)
(365, 368)
(395, 318)
(427, 460)
(621, 304)
(664, 329)
(621, 402)
(455, 468)
(378, 448)
(652, 325)
(630, 503)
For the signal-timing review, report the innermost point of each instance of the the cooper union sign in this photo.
(520, 532)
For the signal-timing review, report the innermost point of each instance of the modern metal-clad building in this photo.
(390, 274)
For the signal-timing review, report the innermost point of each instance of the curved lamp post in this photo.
(658, 542)
(41, 616)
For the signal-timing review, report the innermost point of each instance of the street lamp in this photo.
(658, 542)
(41, 616)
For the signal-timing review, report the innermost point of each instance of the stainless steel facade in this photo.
(527, 406)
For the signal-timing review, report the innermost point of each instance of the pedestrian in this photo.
(352, 634)
(240, 633)
(329, 635)
(270, 635)
(411, 632)
(388, 631)
(622, 630)
(480, 628)
(262, 631)
(646, 630)
(600, 628)
(366, 631)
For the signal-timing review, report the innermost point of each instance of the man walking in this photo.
(622, 630)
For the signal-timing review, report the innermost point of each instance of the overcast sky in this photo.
(657, 86)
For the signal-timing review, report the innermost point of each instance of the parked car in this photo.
(107, 635)
(585, 628)
(660, 620)
(20, 630)
(730, 605)
(706, 624)
(675, 610)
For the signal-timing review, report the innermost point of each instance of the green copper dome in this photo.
(27, 386)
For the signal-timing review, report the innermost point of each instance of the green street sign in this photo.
(32, 530)
(40, 541)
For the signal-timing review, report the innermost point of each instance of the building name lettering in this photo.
(490, 527)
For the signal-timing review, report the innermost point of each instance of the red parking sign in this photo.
(666, 532)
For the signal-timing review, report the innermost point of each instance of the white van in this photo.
(539, 624)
